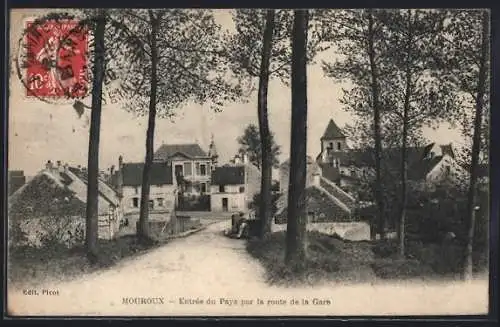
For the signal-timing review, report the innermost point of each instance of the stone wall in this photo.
(353, 231)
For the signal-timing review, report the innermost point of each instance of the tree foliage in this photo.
(250, 144)
(245, 46)
(191, 62)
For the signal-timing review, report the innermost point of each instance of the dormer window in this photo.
(330, 146)
(339, 146)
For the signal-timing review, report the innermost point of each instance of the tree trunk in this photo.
(376, 122)
(297, 218)
(92, 213)
(404, 159)
(476, 146)
(265, 135)
(143, 228)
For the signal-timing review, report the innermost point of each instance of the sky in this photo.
(41, 131)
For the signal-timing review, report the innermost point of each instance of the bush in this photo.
(444, 259)
(385, 248)
(328, 258)
(400, 269)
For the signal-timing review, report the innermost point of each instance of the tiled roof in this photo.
(105, 190)
(330, 172)
(419, 164)
(228, 175)
(191, 151)
(161, 174)
(67, 179)
(448, 149)
(332, 131)
(318, 202)
(419, 170)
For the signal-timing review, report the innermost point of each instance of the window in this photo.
(135, 202)
(339, 146)
(179, 170)
(242, 189)
(197, 169)
(353, 173)
(447, 170)
(136, 190)
(222, 188)
(160, 202)
(203, 169)
(203, 187)
(151, 204)
(188, 169)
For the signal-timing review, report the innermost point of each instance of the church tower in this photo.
(332, 141)
(212, 153)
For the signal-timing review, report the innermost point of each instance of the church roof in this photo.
(332, 131)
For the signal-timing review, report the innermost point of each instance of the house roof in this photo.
(332, 131)
(419, 170)
(448, 149)
(161, 174)
(419, 163)
(192, 151)
(228, 175)
(16, 173)
(105, 190)
(330, 172)
(66, 179)
(316, 201)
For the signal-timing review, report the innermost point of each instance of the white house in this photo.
(234, 186)
(191, 163)
(163, 188)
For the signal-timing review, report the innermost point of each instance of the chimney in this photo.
(119, 176)
(60, 167)
(66, 168)
(316, 179)
(112, 170)
(237, 160)
(244, 158)
(49, 165)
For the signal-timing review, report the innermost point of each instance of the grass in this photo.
(41, 265)
(330, 258)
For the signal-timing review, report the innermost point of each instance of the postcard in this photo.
(248, 162)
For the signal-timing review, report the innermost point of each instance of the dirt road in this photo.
(209, 274)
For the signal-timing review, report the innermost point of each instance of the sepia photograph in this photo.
(248, 162)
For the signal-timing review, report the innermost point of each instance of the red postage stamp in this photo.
(57, 52)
